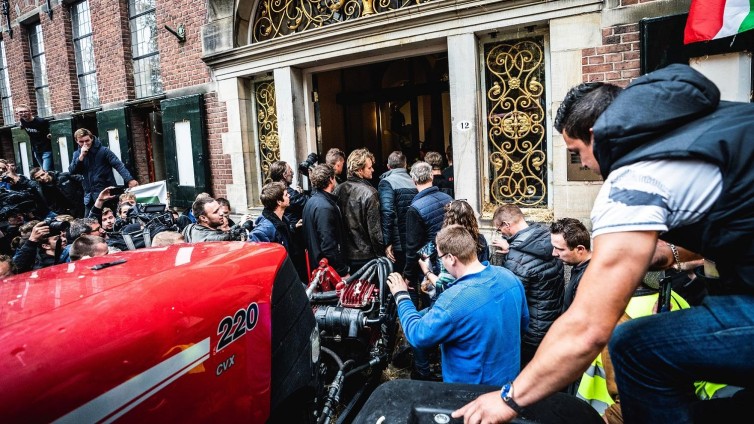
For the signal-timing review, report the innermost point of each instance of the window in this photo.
(39, 69)
(82, 44)
(146, 57)
(7, 102)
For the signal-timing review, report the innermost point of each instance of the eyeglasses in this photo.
(442, 256)
(502, 224)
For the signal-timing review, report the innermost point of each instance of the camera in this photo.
(57, 227)
(7, 179)
(118, 190)
(309, 162)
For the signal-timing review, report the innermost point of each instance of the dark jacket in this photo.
(37, 129)
(194, 233)
(64, 194)
(97, 169)
(30, 256)
(186, 218)
(360, 205)
(423, 221)
(397, 191)
(295, 211)
(269, 228)
(573, 284)
(530, 258)
(323, 230)
(676, 113)
(443, 184)
(33, 189)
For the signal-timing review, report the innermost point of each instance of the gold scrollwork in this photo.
(267, 127)
(276, 18)
(515, 124)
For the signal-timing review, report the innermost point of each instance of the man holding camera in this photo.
(44, 247)
(28, 191)
(96, 162)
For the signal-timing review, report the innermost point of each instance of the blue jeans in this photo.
(44, 160)
(658, 358)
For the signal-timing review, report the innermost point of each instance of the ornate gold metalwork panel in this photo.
(267, 127)
(516, 142)
(276, 18)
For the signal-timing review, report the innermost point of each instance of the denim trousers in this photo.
(44, 160)
(658, 358)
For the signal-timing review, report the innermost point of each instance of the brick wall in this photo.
(139, 143)
(112, 50)
(61, 62)
(181, 63)
(219, 163)
(19, 69)
(617, 60)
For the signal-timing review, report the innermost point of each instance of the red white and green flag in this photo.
(713, 19)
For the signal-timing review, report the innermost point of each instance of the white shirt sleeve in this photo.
(655, 196)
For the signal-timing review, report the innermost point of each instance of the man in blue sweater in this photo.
(477, 321)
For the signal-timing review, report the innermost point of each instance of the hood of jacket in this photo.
(653, 104)
(533, 240)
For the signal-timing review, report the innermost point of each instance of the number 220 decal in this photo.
(231, 328)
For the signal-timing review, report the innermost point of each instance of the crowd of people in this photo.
(501, 311)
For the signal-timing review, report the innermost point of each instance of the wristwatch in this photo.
(507, 395)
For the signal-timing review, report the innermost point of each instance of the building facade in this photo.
(208, 95)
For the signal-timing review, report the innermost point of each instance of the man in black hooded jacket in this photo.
(677, 163)
(527, 253)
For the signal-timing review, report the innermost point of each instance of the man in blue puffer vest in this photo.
(397, 191)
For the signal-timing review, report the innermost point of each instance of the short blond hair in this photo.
(82, 132)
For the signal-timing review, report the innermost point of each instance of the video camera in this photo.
(142, 219)
(311, 160)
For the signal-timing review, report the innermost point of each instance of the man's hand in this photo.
(502, 245)
(39, 231)
(389, 253)
(300, 223)
(132, 183)
(83, 151)
(103, 196)
(488, 409)
(396, 283)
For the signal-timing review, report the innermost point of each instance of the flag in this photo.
(713, 19)
(156, 192)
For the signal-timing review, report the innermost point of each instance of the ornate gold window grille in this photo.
(267, 127)
(516, 136)
(276, 18)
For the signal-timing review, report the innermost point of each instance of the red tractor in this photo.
(203, 332)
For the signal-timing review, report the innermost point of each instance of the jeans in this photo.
(44, 160)
(658, 358)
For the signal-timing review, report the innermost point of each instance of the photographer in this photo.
(62, 191)
(26, 190)
(209, 219)
(44, 247)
